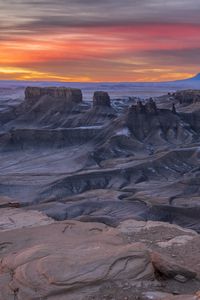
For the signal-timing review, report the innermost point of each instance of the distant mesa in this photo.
(100, 113)
(48, 105)
(70, 94)
(187, 96)
(101, 98)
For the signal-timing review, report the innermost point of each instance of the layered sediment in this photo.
(85, 183)
(79, 261)
(101, 98)
(70, 94)
(187, 97)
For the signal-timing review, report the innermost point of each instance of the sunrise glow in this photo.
(70, 42)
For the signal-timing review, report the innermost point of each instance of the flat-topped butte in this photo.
(71, 94)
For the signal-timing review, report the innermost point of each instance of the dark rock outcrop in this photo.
(173, 108)
(193, 119)
(101, 98)
(146, 121)
(70, 94)
(101, 113)
(49, 105)
(147, 108)
(45, 107)
(145, 128)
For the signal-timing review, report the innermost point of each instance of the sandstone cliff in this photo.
(69, 94)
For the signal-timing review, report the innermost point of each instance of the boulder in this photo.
(177, 241)
(101, 99)
(169, 268)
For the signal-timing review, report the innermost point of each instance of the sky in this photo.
(99, 40)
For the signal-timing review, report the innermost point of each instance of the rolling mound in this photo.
(57, 147)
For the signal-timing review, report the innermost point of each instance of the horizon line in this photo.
(46, 81)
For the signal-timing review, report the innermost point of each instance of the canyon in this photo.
(100, 199)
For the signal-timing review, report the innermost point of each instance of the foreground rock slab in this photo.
(166, 296)
(15, 218)
(174, 250)
(68, 260)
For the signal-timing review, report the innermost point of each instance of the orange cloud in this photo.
(118, 53)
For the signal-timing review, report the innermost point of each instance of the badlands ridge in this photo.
(100, 200)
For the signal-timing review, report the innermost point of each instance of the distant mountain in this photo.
(192, 83)
(115, 89)
(197, 77)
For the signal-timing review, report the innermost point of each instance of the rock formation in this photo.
(68, 260)
(187, 97)
(173, 108)
(101, 98)
(49, 106)
(79, 261)
(70, 94)
(146, 121)
(147, 108)
(82, 185)
(101, 112)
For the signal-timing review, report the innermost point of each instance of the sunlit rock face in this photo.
(34, 93)
(101, 99)
(68, 260)
(76, 260)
